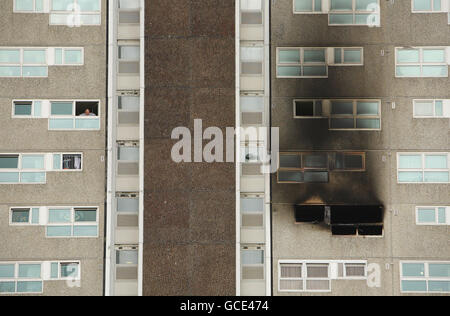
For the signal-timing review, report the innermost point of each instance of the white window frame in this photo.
(301, 64)
(354, 12)
(421, 64)
(20, 170)
(62, 159)
(17, 279)
(436, 215)
(21, 63)
(75, 5)
(60, 278)
(74, 117)
(73, 223)
(444, 101)
(255, 60)
(425, 278)
(355, 115)
(63, 59)
(308, 12)
(442, 10)
(261, 213)
(30, 219)
(343, 63)
(32, 116)
(31, 11)
(423, 169)
(263, 265)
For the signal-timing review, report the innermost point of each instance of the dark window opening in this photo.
(304, 108)
(344, 230)
(290, 161)
(9, 162)
(309, 213)
(349, 161)
(22, 108)
(370, 230)
(72, 162)
(316, 161)
(351, 214)
(86, 108)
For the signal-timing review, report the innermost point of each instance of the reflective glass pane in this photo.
(62, 5)
(435, 71)
(9, 177)
(352, 56)
(434, 55)
(365, 19)
(10, 71)
(35, 216)
(408, 56)
(24, 5)
(442, 216)
(315, 160)
(56, 162)
(9, 162)
(290, 161)
(59, 231)
(32, 71)
(58, 56)
(423, 108)
(426, 215)
(286, 71)
(437, 177)
(314, 56)
(341, 19)
(32, 177)
(317, 5)
(85, 231)
(39, 5)
(414, 286)
(289, 56)
(33, 162)
(128, 154)
(90, 19)
(87, 123)
(364, 5)
(20, 216)
(29, 287)
(367, 108)
(439, 108)
(413, 269)
(439, 286)
(30, 271)
(128, 205)
(316, 177)
(133, 52)
(342, 123)
(303, 5)
(338, 55)
(33, 56)
(85, 215)
(61, 108)
(73, 57)
(252, 256)
(126, 257)
(410, 161)
(59, 216)
(437, 6)
(341, 5)
(69, 270)
(54, 270)
(37, 108)
(288, 176)
(89, 5)
(368, 123)
(314, 71)
(7, 287)
(342, 107)
(128, 103)
(408, 71)
(410, 177)
(436, 161)
(10, 56)
(439, 270)
(422, 5)
(7, 271)
(252, 205)
(22, 108)
(61, 123)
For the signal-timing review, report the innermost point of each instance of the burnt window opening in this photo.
(354, 214)
(356, 230)
(308, 108)
(309, 213)
(86, 108)
(349, 161)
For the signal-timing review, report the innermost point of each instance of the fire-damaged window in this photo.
(344, 220)
(314, 167)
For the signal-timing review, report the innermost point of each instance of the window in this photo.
(25, 6)
(128, 110)
(127, 210)
(252, 263)
(252, 110)
(302, 63)
(87, 12)
(22, 168)
(129, 56)
(128, 159)
(421, 62)
(425, 277)
(69, 56)
(24, 216)
(20, 278)
(129, 4)
(27, 109)
(355, 114)
(430, 108)
(74, 115)
(251, 12)
(314, 167)
(427, 6)
(307, 6)
(348, 56)
(308, 109)
(129, 12)
(433, 215)
(23, 62)
(72, 222)
(252, 212)
(252, 60)
(127, 257)
(423, 168)
(354, 12)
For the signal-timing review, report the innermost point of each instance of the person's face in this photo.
(87, 112)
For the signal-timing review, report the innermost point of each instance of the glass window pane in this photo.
(28, 71)
(128, 205)
(35, 216)
(7, 287)
(437, 177)
(342, 107)
(413, 269)
(22, 108)
(33, 162)
(341, 5)
(414, 286)
(33, 56)
(85, 215)
(439, 286)
(59, 231)
(89, 5)
(73, 57)
(128, 103)
(316, 177)
(437, 5)
(410, 177)
(341, 19)
(69, 270)
(315, 160)
(32, 177)
(54, 274)
(24, 5)
(365, 19)
(422, 5)
(289, 56)
(57, 162)
(7, 271)
(128, 154)
(442, 216)
(435, 71)
(29, 287)
(303, 5)
(85, 231)
(439, 111)
(368, 123)
(58, 56)
(61, 123)
(39, 5)
(408, 71)
(252, 104)
(290, 161)
(127, 257)
(87, 123)
(37, 108)
(408, 56)
(90, 19)
(314, 56)
(342, 123)
(317, 5)
(133, 52)
(352, 56)
(62, 5)
(315, 71)
(434, 55)
(439, 270)
(9, 71)
(367, 108)
(62, 108)
(20, 216)
(338, 55)
(423, 108)
(426, 215)
(9, 177)
(289, 71)
(436, 161)
(9, 162)
(10, 56)
(410, 161)
(252, 256)
(363, 5)
(252, 205)
(288, 176)
(60, 216)
(30, 271)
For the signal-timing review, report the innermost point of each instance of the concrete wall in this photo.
(402, 240)
(32, 135)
